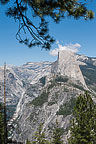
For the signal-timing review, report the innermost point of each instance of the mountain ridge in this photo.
(40, 92)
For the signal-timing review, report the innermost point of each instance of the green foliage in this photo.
(1, 126)
(67, 108)
(43, 80)
(28, 142)
(61, 79)
(57, 81)
(39, 137)
(66, 89)
(57, 133)
(83, 125)
(51, 103)
(36, 34)
(51, 85)
(78, 86)
(40, 100)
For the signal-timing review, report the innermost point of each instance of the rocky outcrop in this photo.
(67, 65)
(46, 110)
(46, 91)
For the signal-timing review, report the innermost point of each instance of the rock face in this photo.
(46, 108)
(14, 85)
(45, 91)
(67, 65)
(18, 79)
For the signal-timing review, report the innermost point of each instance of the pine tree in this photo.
(57, 135)
(83, 128)
(40, 136)
(1, 126)
(28, 142)
(35, 33)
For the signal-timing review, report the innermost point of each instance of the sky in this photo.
(75, 35)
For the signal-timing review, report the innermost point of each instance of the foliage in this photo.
(1, 126)
(57, 135)
(40, 100)
(28, 142)
(83, 125)
(26, 12)
(51, 85)
(67, 108)
(51, 103)
(55, 81)
(43, 80)
(66, 89)
(78, 86)
(40, 137)
(61, 79)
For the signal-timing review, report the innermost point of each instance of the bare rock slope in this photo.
(46, 91)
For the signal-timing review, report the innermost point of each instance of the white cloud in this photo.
(57, 42)
(69, 47)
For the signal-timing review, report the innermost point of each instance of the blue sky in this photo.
(68, 31)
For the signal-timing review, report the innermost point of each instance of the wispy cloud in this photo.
(69, 47)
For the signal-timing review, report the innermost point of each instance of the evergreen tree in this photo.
(40, 137)
(28, 142)
(57, 135)
(83, 128)
(36, 32)
(1, 126)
